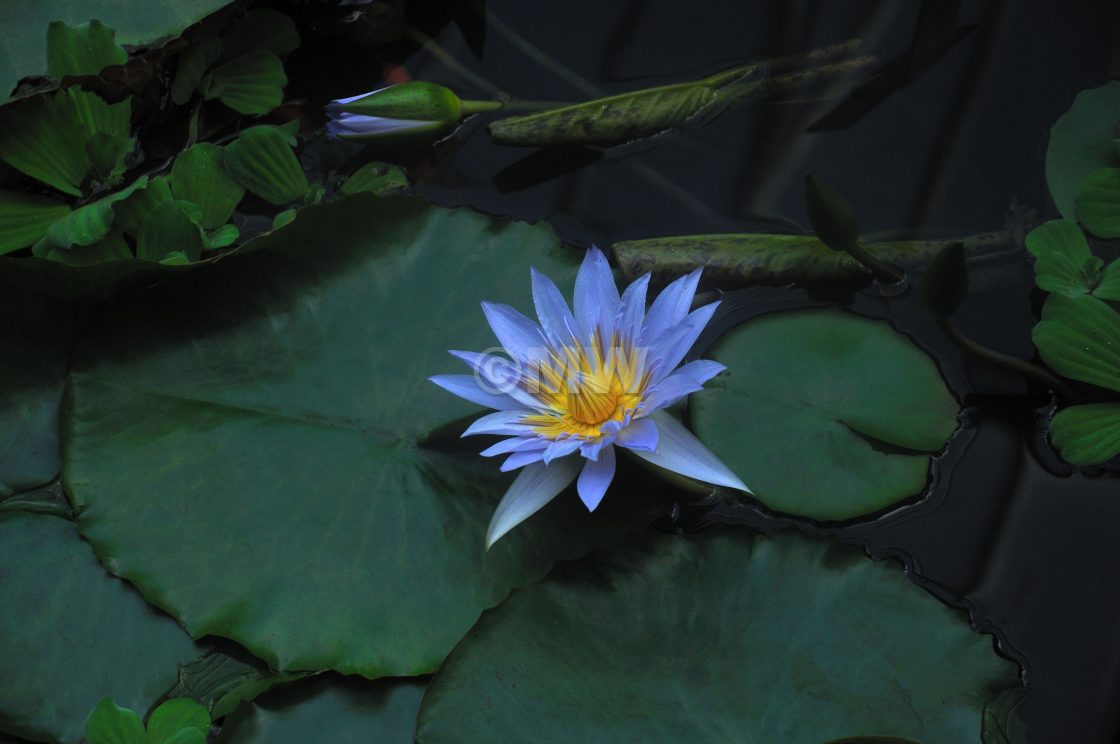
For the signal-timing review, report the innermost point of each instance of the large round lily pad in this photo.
(71, 634)
(725, 636)
(245, 443)
(825, 414)
(329, 709)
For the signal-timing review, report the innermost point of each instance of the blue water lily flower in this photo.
(584, 380)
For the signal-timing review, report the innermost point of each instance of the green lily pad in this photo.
(74, 634)
(171, 228)
(250, 84)
(328, 709)
(1087, 434)
(24, 219)
(825, 414)
(261, 160)
(768, 639)
(1079, 338)
(198, 176)
(1082, 141)
(260, 29)
(85, 49)
(279, 397)
(23, 33)
(1098, 202)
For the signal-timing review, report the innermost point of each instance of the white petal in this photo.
(678, 450)
(535, 486)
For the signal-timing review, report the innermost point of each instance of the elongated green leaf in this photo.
(172, 228)
(260, 28)
(1063, 261)
(174, 715)
(1079, 337)
(262, 161)
(193, 64)
(130, 212)
(85, 49)
(198, 176)
(24, 219)
(328, 709)
(774, 639)
(1081, 142)
(79, 634)
(250, 84)
(108, 723)
(1098, 202)
(112, 247)
(809, 399)
(1087, 434)
(283, 436)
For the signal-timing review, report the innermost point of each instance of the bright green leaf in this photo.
(112, 247)
(79, 635)
(1079, 338)
(1081, 142)
(85, 49)
(808, 399)
(174, 715)
(24, 219)
(1098, 202)
(198, 176)
(130, 212)
(1087, 434)
(195, 60)
(188, 736)
(284, 218)
(172, 228)
(175, 258)
(377, 178)
(262, 161)
(90, 223)
(261, 28)
(250, 412)
(224, 236)
(1061, 253)
(772, 639)
(250, 84)
(108, 723)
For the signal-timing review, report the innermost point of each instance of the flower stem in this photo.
(1031, 371)
(477, 107)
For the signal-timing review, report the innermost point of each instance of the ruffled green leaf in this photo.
(193, 64)
(1081, 141)
(198, 176)
(44, 138)
(110, 248)
(85, 49)
(260, 29)
(108, 723)
(141, 202)
(1098, 203)
(1079, 337)
(222, 237)
(262, 161)
(24, 219)
(90, 223)
(250, 84)
(175, 715)
(376, 178)
(1063, 261)
(1087, 434)
(773, 639)
(172, 228)
(808, 402)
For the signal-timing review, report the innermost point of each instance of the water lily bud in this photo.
(832, 218)
(413, 110)
(945, 282)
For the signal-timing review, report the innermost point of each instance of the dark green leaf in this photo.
(807, 403)
(85, 49)
(45, 139)
(772, 639)
(140, 203)
(945, 281)
(1109, 286)
(24, 219)
(1079, 338)
(193, 64)
(112, 247)
(77, 635)
(198, 176)
(261, 28)
(1087, 434)
(172, 228)
(1061, 256)
(108, 723)
(174, 715)
(221, 681)
(262, 161)
(284, 218)
(107, 153)
(1081, 142)
(250, 84)
(832, 218)
(1098, 202)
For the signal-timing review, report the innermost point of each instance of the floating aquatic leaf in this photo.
(261, 160)
(224, 236)
(284, 218)
(140, 203)
(1082, 141)
(810, 399)
(45, 139)
(1098, 202)
(198, 176)
(329, 708)
(250, 84)
(24, 219)
(615, 120)
(377, 178)
(221, 681)
(107, 153)
(1063, 261)
(85, 49)
(175, 715)
(87, 224)
(1109, 286)
(774, 639)
(195, 60)
(1087, 434)
(112, 247)
(1079, 338)
(109, 723)
(260, 29)
(172, 228)
(79, 635)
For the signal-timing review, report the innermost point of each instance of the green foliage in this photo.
(79, 634)
(1098, 202)
(1063, 261)
(85, 49)
(111, 247)
(250, 84)
(88, 224)
(329, 709)
(195, 60)
(810, 397)
(262, 161)
(831, 216)
(108, 723)
(260, 29)
(221, 682)
(773, 639)
(1082, 141)
(172, 228)
(376, 178)
(1087, 434)
(24, 219)
(176, 721)
(1079, 337)
(172, 717)
(198, 176)
(945, 281)
(131, 211)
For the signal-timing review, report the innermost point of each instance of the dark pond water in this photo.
(1025, 543)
